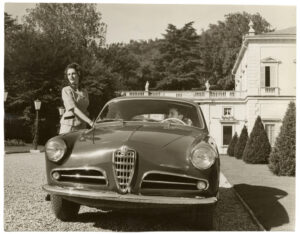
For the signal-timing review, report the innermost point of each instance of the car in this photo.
(139, 155)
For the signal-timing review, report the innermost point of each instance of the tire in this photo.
(202, 218)
(63, 209)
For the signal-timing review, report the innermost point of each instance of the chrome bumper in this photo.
(126, 198)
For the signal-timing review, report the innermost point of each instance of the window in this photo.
(227, 134)
(270, 128)
(227, 111)
(267, 76)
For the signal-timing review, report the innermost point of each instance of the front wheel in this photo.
(63, 209)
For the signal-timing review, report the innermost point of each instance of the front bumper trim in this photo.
(129, 198)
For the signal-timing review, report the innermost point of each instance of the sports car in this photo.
(142, 153)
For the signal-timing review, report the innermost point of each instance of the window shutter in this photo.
(272, 76)
(262, 76)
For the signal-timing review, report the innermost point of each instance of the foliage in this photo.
(241, 143)
(179, 65)
(282, 159)
(230, 149)
(258, 148)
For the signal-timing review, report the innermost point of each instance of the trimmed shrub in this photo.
(230, 150)
(282, 158)
(258, 147)
(241, 143)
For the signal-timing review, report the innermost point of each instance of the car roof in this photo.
(182, 100)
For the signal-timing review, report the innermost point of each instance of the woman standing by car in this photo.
(76, 101)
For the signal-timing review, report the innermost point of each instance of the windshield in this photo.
(151, 111)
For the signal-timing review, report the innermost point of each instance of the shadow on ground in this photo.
(263, 201)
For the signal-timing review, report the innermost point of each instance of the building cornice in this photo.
(245, 100)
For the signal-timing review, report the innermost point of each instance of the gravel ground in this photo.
(25, 208)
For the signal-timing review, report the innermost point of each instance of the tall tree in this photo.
(282, 159)
(241, 143)
(258, 147)
(179, 65)
(230, 149)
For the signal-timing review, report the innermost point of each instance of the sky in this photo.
(149, 21)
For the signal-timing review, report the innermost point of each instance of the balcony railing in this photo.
(269, 91)
(213, 94)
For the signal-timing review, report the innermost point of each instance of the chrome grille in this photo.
(81, 175)
(123, 166)
(169, 181)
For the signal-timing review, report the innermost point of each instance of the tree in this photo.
(230, 150)
(179, 65)
(282, 159)
(120, 60)
(221, 43)
(241, 143)
(258, 148)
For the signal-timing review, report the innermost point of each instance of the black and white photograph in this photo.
(148, 116)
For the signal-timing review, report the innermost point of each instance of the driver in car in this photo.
(174, 113)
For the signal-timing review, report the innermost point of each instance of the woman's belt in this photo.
(69, 117)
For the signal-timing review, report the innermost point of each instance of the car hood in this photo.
(154, 136)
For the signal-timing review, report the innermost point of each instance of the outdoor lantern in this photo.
(61, 110)
(37, 104)
(5, 96)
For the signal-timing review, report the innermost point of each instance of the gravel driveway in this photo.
(25, 208)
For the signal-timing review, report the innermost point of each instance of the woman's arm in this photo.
(82, 116)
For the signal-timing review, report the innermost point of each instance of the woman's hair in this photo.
(78, 70)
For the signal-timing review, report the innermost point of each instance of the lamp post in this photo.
(37, 106)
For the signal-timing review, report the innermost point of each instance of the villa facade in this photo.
(265, 83)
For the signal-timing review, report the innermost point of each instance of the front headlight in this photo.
(55, 149)
(203, 157)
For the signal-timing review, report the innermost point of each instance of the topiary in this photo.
(241, 143)
(230, 150)
(282, 159)
(258, 147)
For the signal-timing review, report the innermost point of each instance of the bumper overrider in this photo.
(113, 199)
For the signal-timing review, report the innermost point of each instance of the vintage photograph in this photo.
(146, 117)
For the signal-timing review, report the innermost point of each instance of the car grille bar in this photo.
(84, 176)
(80, 175)
(123, 166)
(170, 181)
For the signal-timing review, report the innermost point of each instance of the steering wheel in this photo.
(173, 120)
